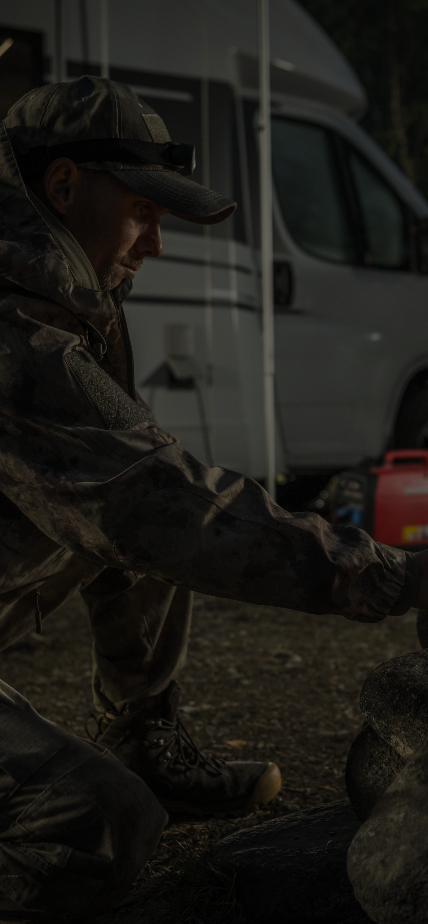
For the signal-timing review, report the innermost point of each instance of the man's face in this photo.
(115, 226)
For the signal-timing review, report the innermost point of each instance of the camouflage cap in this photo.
(103, 125)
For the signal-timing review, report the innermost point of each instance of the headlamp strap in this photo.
(180, 157)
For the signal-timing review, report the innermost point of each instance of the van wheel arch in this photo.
(411, 424)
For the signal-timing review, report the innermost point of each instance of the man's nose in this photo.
(149, 243)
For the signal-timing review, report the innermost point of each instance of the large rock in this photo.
(293, 869)
(371, 767)
(387, 860)
(394, 701)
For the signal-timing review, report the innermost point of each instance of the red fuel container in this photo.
(400, 503)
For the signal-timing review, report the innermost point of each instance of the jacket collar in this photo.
(81, 268)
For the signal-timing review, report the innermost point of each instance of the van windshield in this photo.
(308, 189)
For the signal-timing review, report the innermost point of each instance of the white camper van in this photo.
(351, 290)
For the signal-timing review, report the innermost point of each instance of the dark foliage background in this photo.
(386, 41)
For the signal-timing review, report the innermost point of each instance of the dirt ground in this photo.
(260, 683)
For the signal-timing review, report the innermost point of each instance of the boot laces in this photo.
(175, 748)
(179, 749)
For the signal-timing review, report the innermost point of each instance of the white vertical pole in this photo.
(58, 75)
(104, 49)
(208, 395)
(208, 282)
(266, 242)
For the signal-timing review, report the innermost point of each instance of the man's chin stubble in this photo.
(110, 278)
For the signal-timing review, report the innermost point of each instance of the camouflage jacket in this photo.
(89, 480)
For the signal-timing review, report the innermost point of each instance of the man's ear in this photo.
(60, 183)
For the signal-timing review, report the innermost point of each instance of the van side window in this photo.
(308, 186)
(382, 215)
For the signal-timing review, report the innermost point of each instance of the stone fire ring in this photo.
(293, 869)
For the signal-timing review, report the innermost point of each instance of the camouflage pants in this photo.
(76, 827)
(141, 629)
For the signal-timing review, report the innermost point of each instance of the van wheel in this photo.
(411, 428)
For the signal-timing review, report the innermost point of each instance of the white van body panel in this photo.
(235, 402)
(200, 38)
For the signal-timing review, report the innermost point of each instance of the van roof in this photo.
(217, 39)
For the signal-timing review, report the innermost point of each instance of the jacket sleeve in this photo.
(90, 467)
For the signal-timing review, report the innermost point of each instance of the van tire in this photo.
(411, 428)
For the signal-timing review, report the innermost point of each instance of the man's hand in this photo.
(422, 599)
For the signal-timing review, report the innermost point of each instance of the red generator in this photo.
(390, 500)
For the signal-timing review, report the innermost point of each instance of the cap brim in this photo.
(181, 195)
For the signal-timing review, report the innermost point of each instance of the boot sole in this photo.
(265, 790)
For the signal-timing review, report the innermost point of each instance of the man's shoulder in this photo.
(19, 305)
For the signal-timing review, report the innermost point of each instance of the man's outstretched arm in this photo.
(90, 468)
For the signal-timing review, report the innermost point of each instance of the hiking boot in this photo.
(153, 743)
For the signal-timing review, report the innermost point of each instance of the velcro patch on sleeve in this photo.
(117, 410)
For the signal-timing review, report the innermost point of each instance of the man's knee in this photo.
(91, 832)
(118, 826)
(131, 820)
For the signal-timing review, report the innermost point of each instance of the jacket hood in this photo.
(33, 258)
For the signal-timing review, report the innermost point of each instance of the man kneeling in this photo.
(95, 498)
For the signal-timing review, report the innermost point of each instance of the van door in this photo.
(338, 344)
